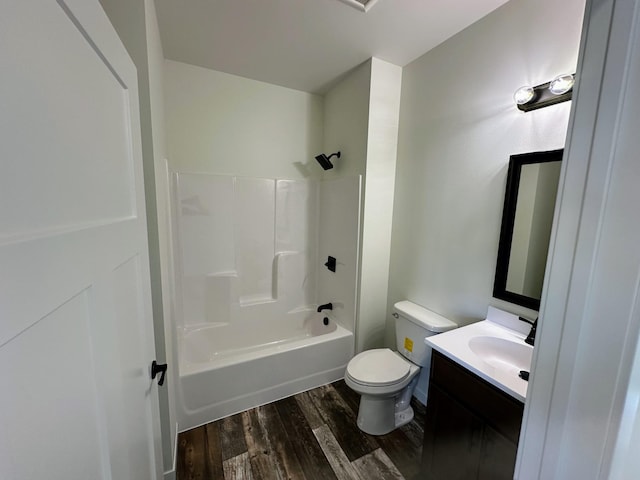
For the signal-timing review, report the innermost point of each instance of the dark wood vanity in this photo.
(471, 427)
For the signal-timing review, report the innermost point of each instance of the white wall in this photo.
(229, 125)
(361, 120)
(382, 144)
(346, 120)
(458, 127)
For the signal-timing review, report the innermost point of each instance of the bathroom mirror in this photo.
(529, 203)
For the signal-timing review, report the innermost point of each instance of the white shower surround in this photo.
(249, 275)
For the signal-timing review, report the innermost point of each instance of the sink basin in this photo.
(502, 354)
(492, 349)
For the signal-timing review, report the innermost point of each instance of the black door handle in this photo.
(157, 368)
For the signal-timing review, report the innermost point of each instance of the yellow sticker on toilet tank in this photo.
(408, 344)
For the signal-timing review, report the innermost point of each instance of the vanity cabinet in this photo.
(471, 427)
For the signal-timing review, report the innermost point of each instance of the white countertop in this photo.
(455, 345)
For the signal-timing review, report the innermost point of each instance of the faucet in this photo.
(326, 306)
(531, 338)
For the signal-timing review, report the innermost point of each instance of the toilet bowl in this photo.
(386, 379)
(380, 412)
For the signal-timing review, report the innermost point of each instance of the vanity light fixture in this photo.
(560, 89)
(561, 84)
(524, 95)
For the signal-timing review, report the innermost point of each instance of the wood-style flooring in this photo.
(310, 436)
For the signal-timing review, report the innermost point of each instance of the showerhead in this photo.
(324, 161)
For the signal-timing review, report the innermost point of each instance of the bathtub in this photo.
(227, 368)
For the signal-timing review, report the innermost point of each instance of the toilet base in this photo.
(379, 415)
(376, 415)
(403, 417)
(383, 409)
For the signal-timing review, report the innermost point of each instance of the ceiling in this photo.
(307, 44)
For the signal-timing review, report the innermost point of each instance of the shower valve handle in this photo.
(157, 368)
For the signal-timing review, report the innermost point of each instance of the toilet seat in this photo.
(378, 368)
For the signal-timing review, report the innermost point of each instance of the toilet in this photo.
(386, 379)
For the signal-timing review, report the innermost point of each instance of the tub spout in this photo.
(326, 306)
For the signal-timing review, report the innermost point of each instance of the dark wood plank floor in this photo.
(310, 436)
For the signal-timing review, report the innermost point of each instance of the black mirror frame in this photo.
(506, 230)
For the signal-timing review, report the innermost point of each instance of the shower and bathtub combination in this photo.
(250, 260)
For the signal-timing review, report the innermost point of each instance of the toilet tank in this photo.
(413, 324)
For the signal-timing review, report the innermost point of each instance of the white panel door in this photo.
(76, 339)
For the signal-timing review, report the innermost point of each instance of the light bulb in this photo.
(523, 95)
(561, 84)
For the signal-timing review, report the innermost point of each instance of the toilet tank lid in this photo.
(424, 317)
